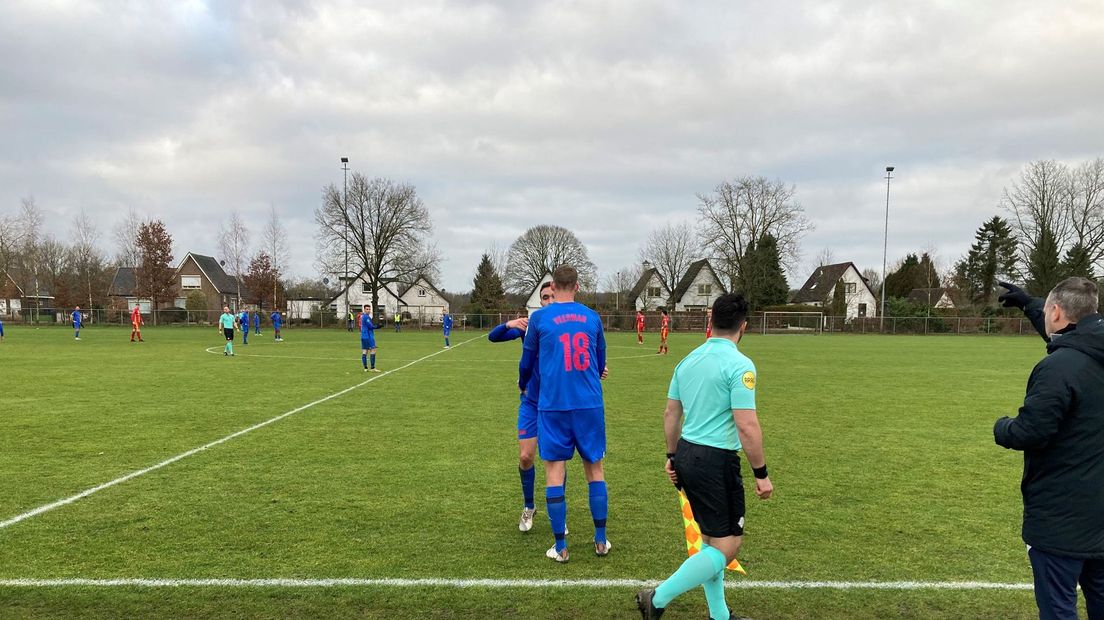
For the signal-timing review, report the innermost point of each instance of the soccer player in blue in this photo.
(76, 323)
(243, 321)
(367, 339)
(566, 346)
(446, 323)
(277, 322)
(1, 330)
(527, 414)
(257, 322)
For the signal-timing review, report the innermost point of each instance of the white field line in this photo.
(501, 583)
(347, 358)
(141, 472)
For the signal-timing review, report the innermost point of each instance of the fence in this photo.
(680, 322)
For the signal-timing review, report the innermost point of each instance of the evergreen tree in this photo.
(773, 288)
(487, 290)
(900, 282)
(991, 258)
(1044, 267)
(1077, 262)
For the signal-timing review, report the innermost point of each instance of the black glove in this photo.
(1016, 297)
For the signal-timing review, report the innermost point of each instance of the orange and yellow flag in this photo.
(693, 533)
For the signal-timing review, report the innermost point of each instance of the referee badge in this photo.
(749, 380)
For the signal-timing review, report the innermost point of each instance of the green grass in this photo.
(880, 449)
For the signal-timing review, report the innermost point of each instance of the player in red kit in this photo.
(136, 323)
(664, 330)
(708, 323)
(639, 327)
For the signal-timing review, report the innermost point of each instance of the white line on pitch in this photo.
(184, 455)
(502, 583)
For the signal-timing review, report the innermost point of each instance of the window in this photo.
(190, 283)
(705, 289)
(365, 289)
(421, 292)
(851, 287)
(179, 302)
(653, 291)
(862, 311)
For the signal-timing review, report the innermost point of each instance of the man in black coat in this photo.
(1060, 429)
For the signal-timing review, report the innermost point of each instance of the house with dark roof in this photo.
(938, 298)
(698, 289)
(820, 290)
(359, 294)
(198, 272)
(650, 292)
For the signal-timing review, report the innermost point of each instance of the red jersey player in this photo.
(136, 323)
(664, 330)
(639, 327)
(708, 323)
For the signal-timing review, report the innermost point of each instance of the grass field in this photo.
(880, 449)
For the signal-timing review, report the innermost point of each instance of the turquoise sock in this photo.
(695, 571)
(230, 345)
(715, 596)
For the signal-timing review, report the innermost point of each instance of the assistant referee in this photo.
(714, 388)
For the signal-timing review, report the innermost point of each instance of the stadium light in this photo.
(345, 216)
(885, 247)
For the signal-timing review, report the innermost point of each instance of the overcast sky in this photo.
(604, 117)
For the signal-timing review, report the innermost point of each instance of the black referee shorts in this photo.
(228, 332)
(711, 479)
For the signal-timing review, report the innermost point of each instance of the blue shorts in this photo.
(527, 419)
(561, 433)
(368, 343)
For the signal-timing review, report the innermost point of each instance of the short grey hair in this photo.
(1077, 297)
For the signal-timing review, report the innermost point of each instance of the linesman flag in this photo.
(693, 533)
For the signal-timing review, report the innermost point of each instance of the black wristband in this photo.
(670, 455)
(760, 472)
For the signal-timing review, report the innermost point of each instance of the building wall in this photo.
(533, 303)
(692, 300)
(423, 303)
(215, 299)
(358, 298)
(652, 303)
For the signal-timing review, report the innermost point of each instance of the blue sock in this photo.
(372, 359)
(446, 342)
(557, 514)
(599, 505)
(76, 334)
(528, 478)
(364, 360)
(695, 571)
(715, 596)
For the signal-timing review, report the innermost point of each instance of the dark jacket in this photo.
(1060, 429)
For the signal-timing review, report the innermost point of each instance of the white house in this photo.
(360, 294)
(938, 298)
(301, 308)
(698, 288)
(423, 302)
(650, 292)
(820, 290)
(533, 303)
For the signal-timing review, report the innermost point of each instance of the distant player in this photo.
(639, 327)
(398, 322)
(527, 414)
(664, 331)
(256, 322)
(708, 323)
(349, 326)
(446, 324)
(566, 345)
(368, 339)
(1, 330)
(226, 323)
(243, 321)
(277, 321)
(136, 323)
(76, 323)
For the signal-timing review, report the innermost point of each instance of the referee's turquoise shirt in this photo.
(710, 382)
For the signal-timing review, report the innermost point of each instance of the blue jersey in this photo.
(566, 346)
(256, 319)
(502, 333)
(244, 319)
(76, 318)
(276, 319)
(447, 323)
(367, 327)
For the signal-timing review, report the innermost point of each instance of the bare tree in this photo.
(11, 240)
(737, 213)
(234, 247)
(88, 261)
(386, 227)
(620, 282)
(1086, 204)
(126, 239)
(540, 250)
(1039, 203)
(873, 279)
(30, 247)
(671, 249)
(500, 257)
(274, 244)
(825, 257)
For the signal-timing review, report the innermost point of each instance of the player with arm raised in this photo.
(527, 415)
(566, 346)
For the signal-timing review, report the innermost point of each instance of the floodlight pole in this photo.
(885, 247)
(345, 218)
